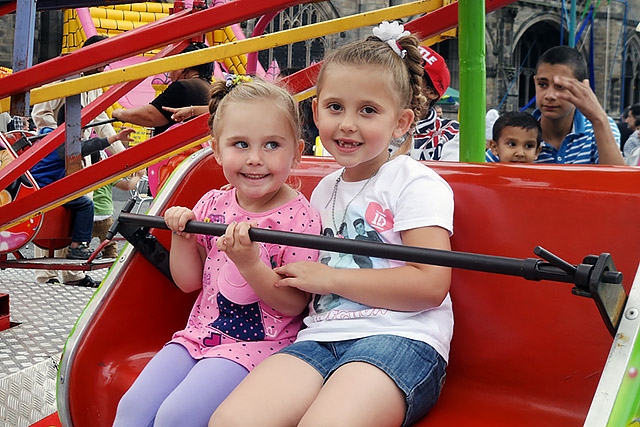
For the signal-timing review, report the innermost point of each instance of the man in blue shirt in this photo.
(575, 127)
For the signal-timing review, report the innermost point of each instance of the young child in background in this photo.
(52, 168)
(376, 342)
(239, 317)
(435, 138)
(517, 138)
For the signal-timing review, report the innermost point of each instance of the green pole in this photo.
(473, 85)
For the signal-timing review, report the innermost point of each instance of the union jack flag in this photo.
(430, 136)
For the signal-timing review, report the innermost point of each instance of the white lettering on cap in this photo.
(428, 57)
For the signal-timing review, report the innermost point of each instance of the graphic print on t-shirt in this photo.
(242, 322)
(361, 229)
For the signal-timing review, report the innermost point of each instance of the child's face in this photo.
(516, 145)
(357, 114)
(256, 148)
(546, 91)
(630, 120)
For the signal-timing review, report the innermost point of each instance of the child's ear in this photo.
(404, 123)
(297, 157)
(538, 150)
(493, 146)
(216, 152)
(314, 109)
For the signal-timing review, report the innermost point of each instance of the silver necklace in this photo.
(334, 196)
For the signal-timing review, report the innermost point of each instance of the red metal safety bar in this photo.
(179, 26)
(88, 178)
(32, 156)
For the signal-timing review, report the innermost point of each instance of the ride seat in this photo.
(55, 231)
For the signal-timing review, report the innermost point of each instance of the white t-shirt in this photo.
(403, 195)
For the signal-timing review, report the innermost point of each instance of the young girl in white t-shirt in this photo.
(376, 342)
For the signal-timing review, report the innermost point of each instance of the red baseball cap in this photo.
(436, 68)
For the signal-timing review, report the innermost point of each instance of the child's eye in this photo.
(511, 144)
(529, 146)
(272, 145)
(334, 107)
(369, 110)
(240, 144)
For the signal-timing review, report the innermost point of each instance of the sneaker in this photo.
(86, 282)
(82, 251)
(53, 281)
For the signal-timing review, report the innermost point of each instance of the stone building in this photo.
(515, 37)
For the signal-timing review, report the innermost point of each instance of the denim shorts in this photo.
(416, 368)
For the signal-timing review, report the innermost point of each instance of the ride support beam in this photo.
(182, 25)
(36, 153)
(23, 50)
(118, 166)
(473, 84)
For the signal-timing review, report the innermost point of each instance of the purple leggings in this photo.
(175, 389)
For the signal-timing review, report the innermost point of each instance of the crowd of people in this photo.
(324, 330)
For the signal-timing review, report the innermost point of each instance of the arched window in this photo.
(300, 54)
(534, 42)
(632, 73)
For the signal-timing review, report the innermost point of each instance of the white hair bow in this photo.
(390, 33)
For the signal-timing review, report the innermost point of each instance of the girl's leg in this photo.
(158, 379)
(199, 394)
(357, 394)
(381, 380)
(277, 393)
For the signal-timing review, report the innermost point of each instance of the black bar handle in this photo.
(530, 269)
(99, 123)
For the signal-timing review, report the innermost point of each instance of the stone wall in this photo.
(47, 37)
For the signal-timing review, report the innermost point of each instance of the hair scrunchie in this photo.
(233, 80)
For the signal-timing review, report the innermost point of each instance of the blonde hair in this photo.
(406, 73)
(221, 95)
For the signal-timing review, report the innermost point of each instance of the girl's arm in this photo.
(124, 136)
(245, 254)
(412, 287)
(186, 258)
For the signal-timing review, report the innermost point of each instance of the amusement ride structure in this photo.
(547, 310)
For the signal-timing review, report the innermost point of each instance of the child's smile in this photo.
(256, 158)
(357, 114)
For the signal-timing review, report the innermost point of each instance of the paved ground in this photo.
(41, 316)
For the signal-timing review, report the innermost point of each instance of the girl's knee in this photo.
(130, 413)
(223, 418)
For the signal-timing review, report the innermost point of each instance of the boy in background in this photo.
(517, 138)
(575, 127)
